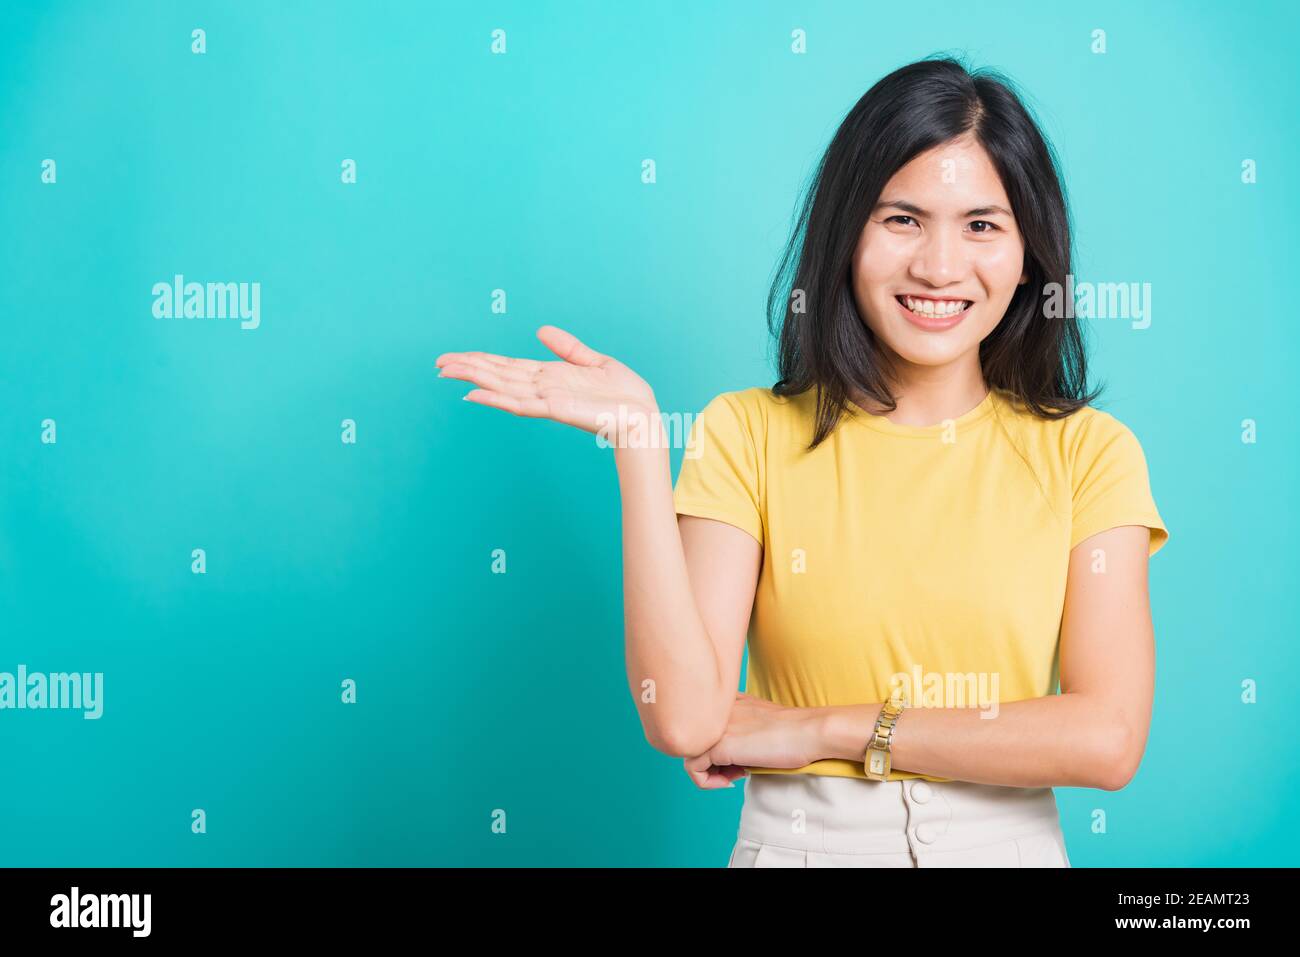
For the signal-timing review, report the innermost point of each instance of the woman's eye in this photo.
(894, 218)
(984, 222)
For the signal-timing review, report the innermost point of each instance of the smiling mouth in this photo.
(934, 310)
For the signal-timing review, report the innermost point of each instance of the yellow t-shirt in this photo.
(936, 552)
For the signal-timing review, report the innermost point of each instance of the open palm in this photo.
(581, 390)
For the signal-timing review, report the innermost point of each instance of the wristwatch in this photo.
(876, 760)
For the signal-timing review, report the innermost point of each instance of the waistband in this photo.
(840, 815)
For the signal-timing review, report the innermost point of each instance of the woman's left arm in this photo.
(1092, 734)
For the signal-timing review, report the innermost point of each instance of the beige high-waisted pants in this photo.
(813, 820)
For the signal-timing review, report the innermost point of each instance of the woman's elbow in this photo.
(687, 739)
(1119, 757)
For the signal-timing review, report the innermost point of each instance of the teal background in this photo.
(522, 172)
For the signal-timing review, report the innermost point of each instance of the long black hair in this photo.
(823, 344)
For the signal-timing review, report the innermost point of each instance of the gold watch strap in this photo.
(876, 761)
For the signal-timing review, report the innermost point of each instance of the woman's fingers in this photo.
(503, 371)
(568, 347)
(577, 391)
(709, 776)
(720, 777)
(525, 395)
(703, 779)
(697, 769)
(520, 365)
(564, 344)
(494, 379)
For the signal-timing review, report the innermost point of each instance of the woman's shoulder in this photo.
(754, 397)
(759, 407)
(1083, 432)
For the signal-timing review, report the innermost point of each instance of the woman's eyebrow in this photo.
(918, 211)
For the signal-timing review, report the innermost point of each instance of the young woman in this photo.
(924, 503)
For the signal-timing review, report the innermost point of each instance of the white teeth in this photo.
(930, 307)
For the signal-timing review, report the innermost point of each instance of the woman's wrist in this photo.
(635, 426)
(844, 730)
(640, 445)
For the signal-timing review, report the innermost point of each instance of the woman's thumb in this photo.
(568, 347)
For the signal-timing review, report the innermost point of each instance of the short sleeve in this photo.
(1110, 483)
(719, 477)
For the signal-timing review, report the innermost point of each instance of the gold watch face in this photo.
(877, 765)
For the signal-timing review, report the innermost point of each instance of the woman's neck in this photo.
(928, 396)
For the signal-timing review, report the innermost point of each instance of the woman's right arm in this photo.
(688, 584)
(688, 589)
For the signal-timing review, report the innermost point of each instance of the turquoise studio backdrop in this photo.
(131, 441)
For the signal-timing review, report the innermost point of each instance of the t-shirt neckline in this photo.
(882, 424)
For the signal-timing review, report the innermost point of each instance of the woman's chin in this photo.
(931, 352)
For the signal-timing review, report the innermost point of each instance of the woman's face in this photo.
(943, 234)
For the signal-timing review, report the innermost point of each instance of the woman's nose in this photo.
(939, 260)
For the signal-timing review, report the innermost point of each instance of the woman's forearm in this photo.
(672, 664)
(1065, 740)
